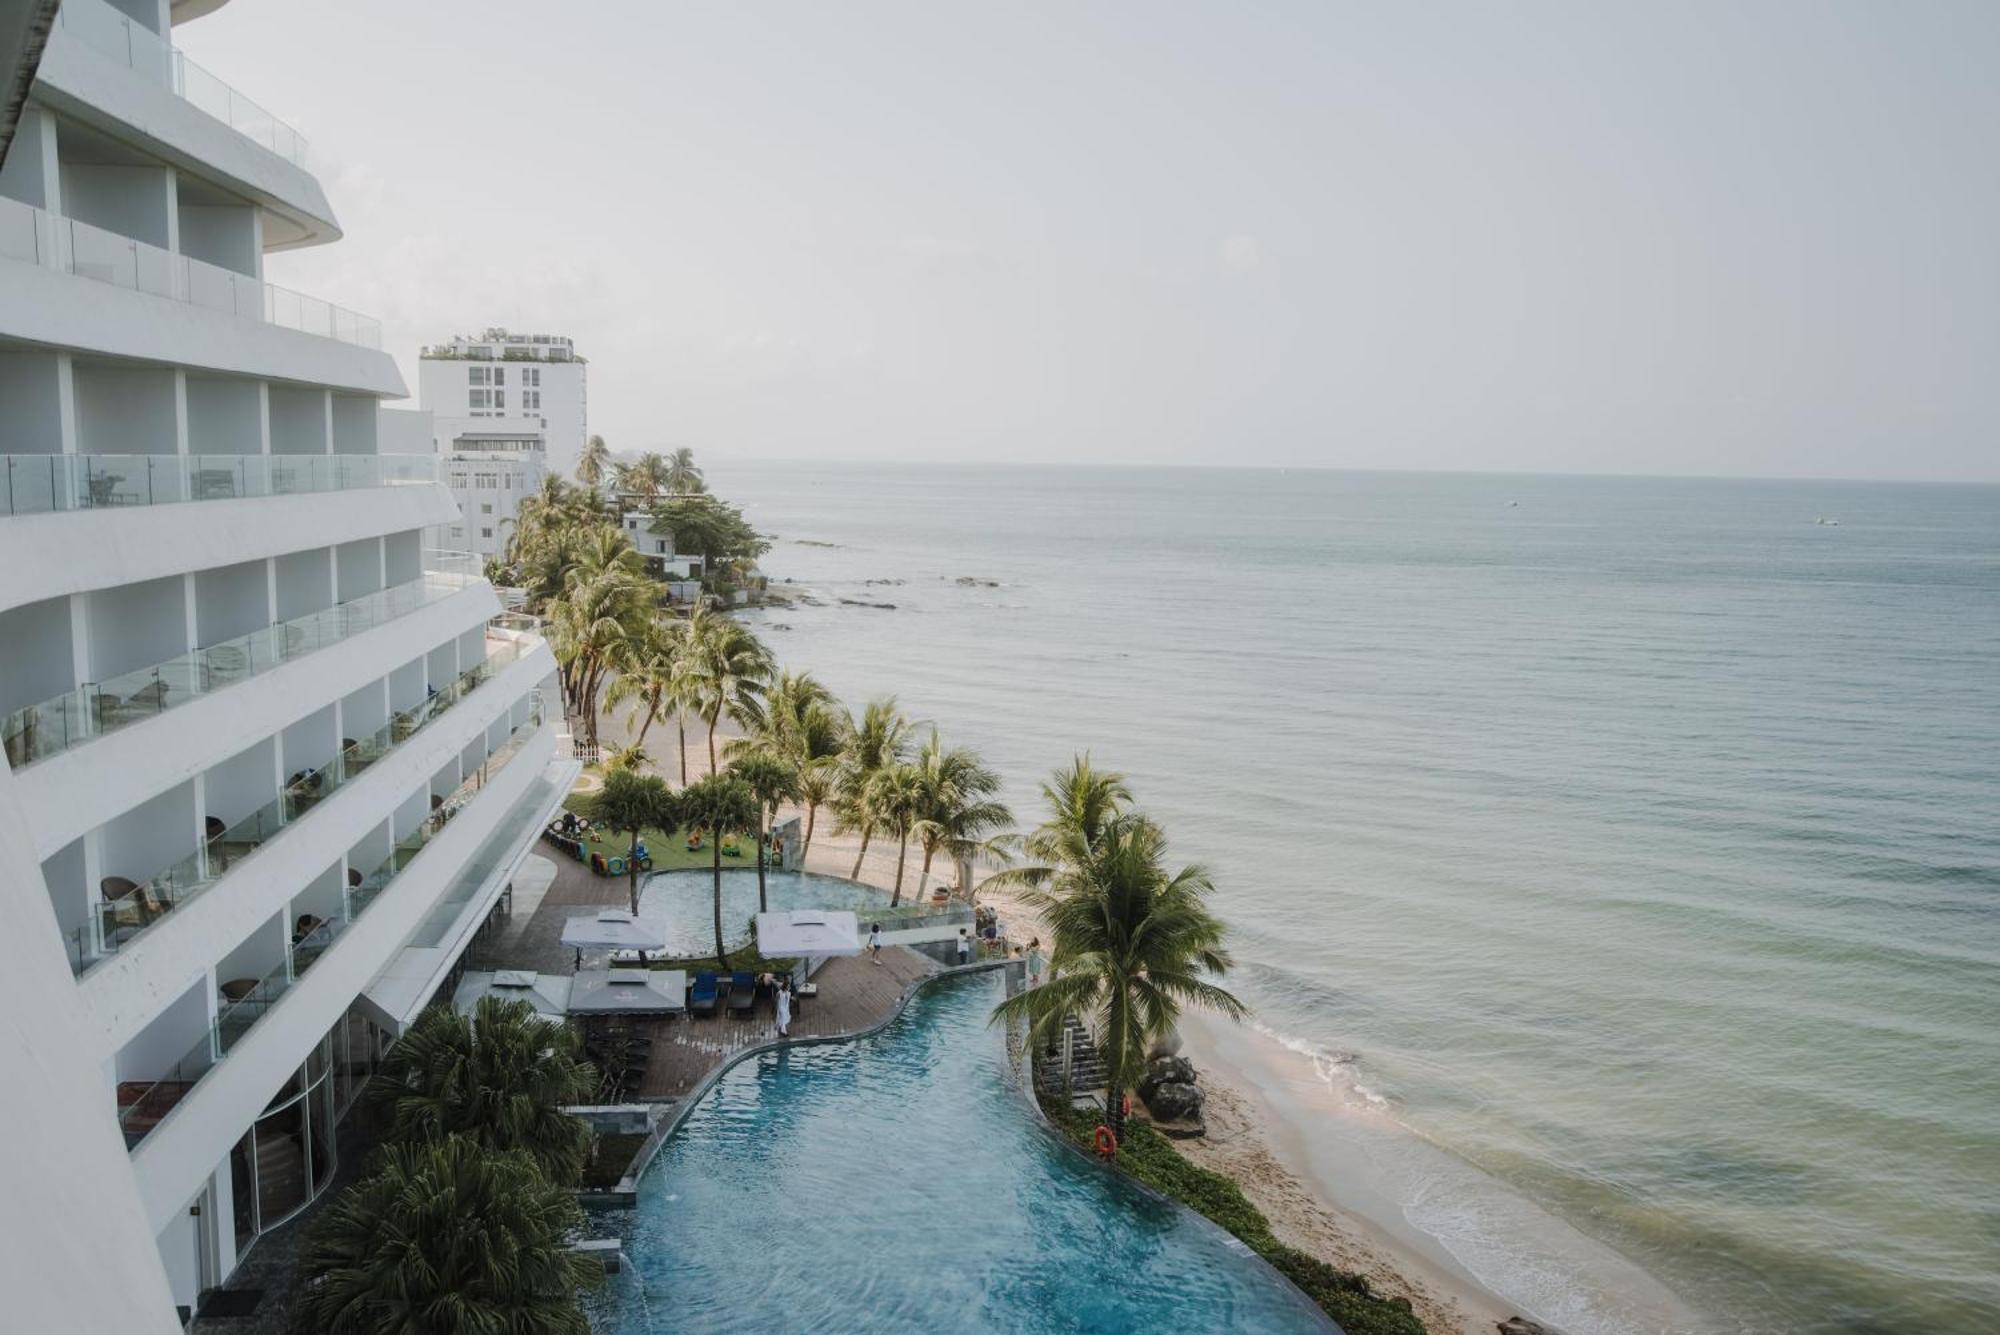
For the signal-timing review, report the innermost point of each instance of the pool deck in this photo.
(854, 994)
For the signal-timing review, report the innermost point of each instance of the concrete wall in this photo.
(32, 402)
(225, 415)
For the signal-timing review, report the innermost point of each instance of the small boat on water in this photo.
(1831, 523)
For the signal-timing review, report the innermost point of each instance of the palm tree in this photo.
(632, 803)
(1132, 943)
(647, 668)
(593, 463)
(722, 805)
(957, 809)
(896, 799)
(727, 667)
(605, 605)
(879, 740)
(771, 781)
(448, 1238)
(1082, 801)
(805, 727)
(681, 474)
(646, 478)
(499, 1078)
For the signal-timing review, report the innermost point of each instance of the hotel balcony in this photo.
(253, 1029)
(155, 919)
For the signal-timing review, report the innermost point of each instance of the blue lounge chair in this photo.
(742, 991)
(702, 996)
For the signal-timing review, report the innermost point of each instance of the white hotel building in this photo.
(507, 410)
(268, 763)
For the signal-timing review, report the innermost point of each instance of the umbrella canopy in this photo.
(615, 929)
(628, 992)
(548, 993)
(814, 932)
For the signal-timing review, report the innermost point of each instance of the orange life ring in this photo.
(1107, 1144)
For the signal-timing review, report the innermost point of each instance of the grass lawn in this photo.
(670, 851)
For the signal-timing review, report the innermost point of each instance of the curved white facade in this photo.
(259, 743)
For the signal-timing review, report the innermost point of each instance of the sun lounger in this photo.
(702, 996)
(742, 991)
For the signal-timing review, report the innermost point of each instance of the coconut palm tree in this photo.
(1132, 945)
(646, 478)
(721, 805)
(605, 605)
(772, 781)
(500, 1078)
(880, 739)
(727, 667)
(1081, 802)
(594, 462)
(647, 668)
(632, 803)
(681, 474)
(957, 812)
(896, 799)
(449, 1238)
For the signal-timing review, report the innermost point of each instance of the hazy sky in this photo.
(1669, 238)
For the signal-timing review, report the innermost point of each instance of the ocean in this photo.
(1633, 845)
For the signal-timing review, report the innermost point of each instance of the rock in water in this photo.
(1166, 1071)
(1520, 1325)
(1174, 1101)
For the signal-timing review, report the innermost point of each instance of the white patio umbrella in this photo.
(614, 929)
(810, 932)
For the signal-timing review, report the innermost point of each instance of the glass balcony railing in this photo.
(40, 483)
(74, 246)
(112, 34)
(96, 708)
(142, 1105)
(131, 908)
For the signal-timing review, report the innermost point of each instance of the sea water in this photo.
(1635, 843)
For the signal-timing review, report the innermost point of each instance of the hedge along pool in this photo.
(901, 1183)
(686, 900)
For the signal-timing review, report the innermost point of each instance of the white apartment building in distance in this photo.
(507, 410)
(268, 763)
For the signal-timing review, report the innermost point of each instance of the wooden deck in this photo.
(854, 994)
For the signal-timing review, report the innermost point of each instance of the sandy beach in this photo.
(1246, 1136)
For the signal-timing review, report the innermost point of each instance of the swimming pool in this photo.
(899, 1183)
(686, 900)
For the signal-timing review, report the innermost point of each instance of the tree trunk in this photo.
(930, 851)
(632, 871)
(867, 833)
(902, 855)
(711, 739)
(812, 810)
(681, 718)
(715, 855)
(763, 906)
(651, 710)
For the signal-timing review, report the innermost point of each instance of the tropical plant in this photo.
(720, 805)
(879, 740)
(631, 803)
(450, 1238)
(682, 475)
(1132, 945)
(605, 605)
(648, 671)
(1081, 802)
(714, 529)
(957, 810)
(896, 799)
(499, 1077)
(646, 477)
(727, 668)
(594, 462)
(804, 726)
(771, 781)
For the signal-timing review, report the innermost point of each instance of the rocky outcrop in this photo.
(1520, 1325)
(1170, 1091)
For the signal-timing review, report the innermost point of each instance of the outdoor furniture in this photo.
(238, 988)
(627, 993)
(354, 878)
(742, 991)
(214, 827)
(702, 996)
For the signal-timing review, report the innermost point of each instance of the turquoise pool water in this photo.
(686, 900)
(898, 1183)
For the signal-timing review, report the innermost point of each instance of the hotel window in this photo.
(486, 507)
(475, 375)
(531, 400)
(499, 400)
(532, 376)
(499, 375)
(486, 482)
(478, 399)
(486, 533)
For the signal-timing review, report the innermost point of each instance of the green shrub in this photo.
(1152, 1159)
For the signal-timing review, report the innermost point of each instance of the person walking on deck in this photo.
(1035, 962)
(964, 948)
(875, 943)
(784, 1002)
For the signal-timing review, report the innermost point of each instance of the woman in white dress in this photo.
(784, 1007)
